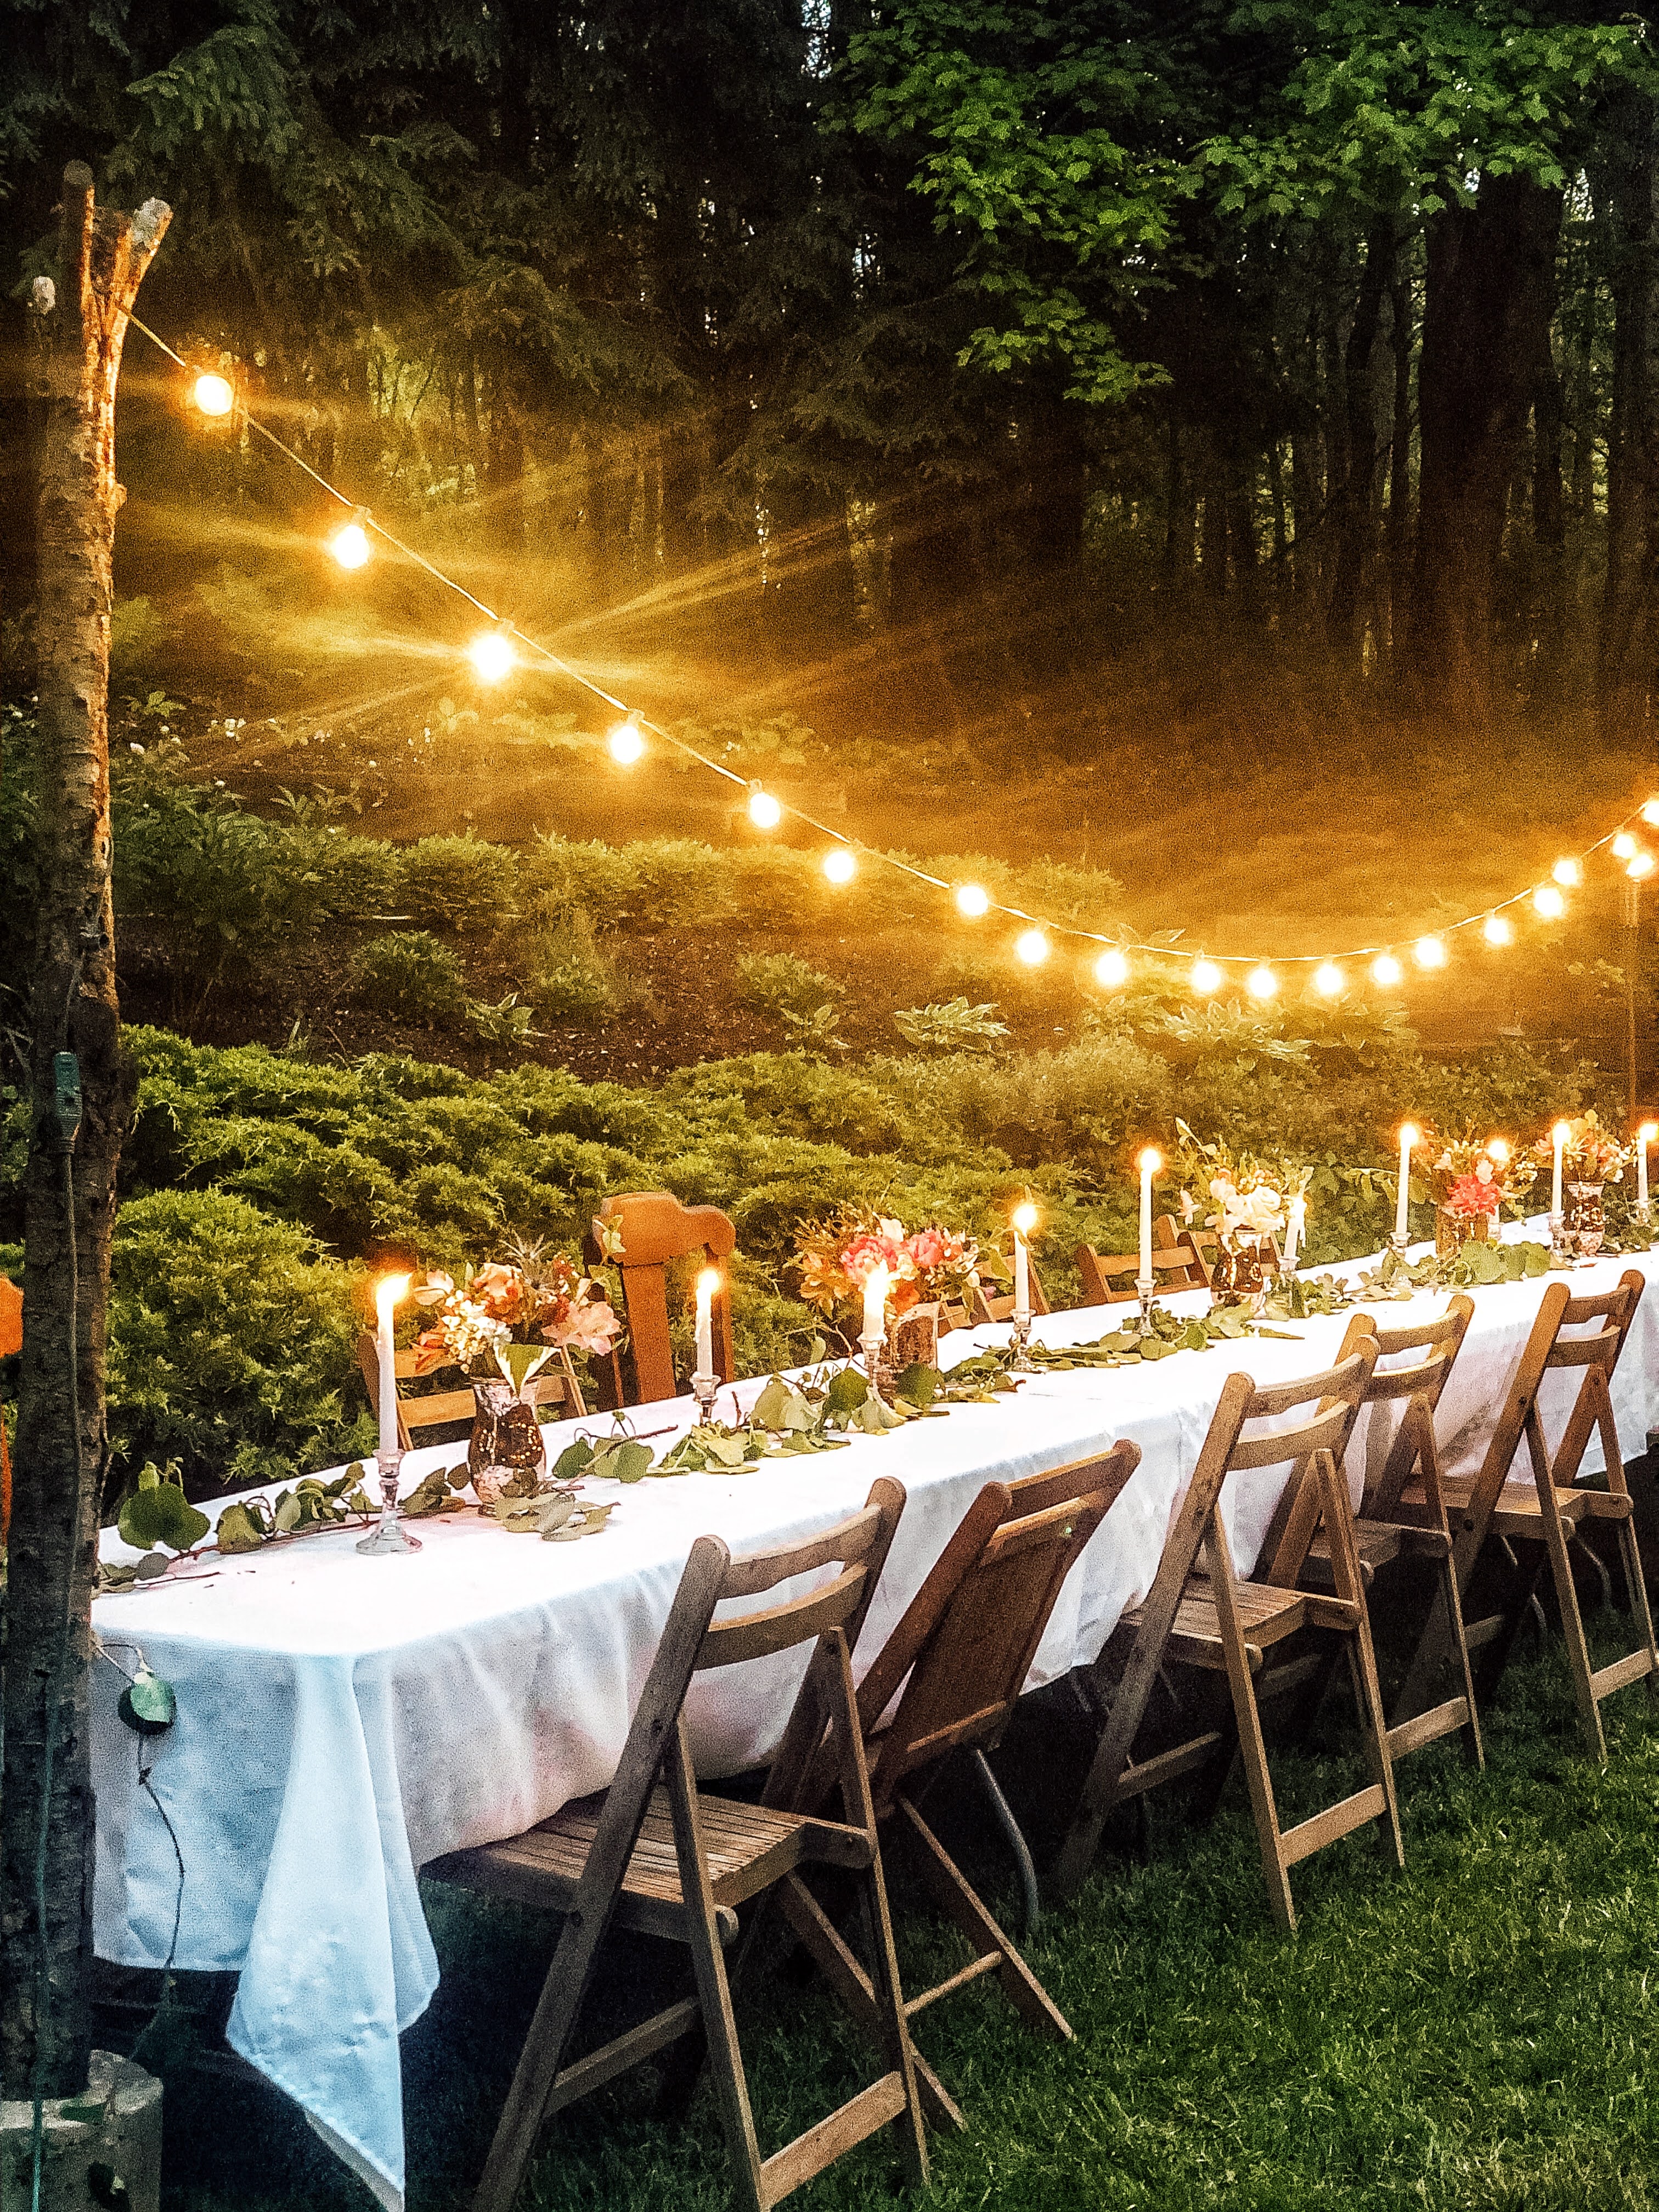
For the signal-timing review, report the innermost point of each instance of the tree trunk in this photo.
(60, 1470)
(1354, 499)
(1488, 285)
(1179, 516)
(1627, 206)
(1400, 465)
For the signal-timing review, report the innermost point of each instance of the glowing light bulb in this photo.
(1640, 866)
(491, 654)
(1429, 952)
(213, 395)
(1386, 970)
(1261, 982)
(1032, 946)
(972, 900)
(1549, 903)
(1496, 929)
(349, 544)
(1624, 845)
(840, 864)
(1025, 1218)
(1650, 811)
(625, 744)
(1568, 874)
(764, 811)
(1111, 970)
(1327, 979)
(1206, 977)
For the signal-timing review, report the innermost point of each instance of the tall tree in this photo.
(63, 1446)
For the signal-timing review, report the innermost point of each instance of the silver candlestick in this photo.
(390, 1535)
(876, 1366)
(1020, 1342)
(1146, 1286)
(705, 1389)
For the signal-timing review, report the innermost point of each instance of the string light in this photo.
(492, 655)
(625, 743)
(839, 864)
(213, 395)
(1429, 952)
(1112, 970)
(349, 544)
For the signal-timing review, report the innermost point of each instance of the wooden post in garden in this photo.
(59, 1470)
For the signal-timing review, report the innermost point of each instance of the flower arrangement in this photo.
(1247, 1195)
(510, 1317)
(1471, 1180)
(1591, 1154)
(836, 1259)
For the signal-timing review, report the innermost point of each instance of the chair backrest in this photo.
(998, 1305)
(11, 1318)
(1328, 1404)
(1439, 1341)
(1615, 1309)
(655, 1229)
(967, 1640)
(1098, 1269)
(557, 1386)
(1196, 1248)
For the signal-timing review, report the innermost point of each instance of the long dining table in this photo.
(343, 1720)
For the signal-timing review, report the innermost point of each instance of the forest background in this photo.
(1208, 451)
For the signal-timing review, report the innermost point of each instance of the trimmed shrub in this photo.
(411, 975)
(462, 881)
(782, 984)
(231, 1344)
(567, 978)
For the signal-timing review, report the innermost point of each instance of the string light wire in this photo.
(1618, 837)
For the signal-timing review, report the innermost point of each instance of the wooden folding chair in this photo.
(1496, 1513)
(998, 1305)
(1214, 1621)
(1197, 1248)
(11, 1340)
(1402, 1511)
(556, 1386)
(957, 1662)
(656, 1230)
(1101, 1271)
(658, 1855)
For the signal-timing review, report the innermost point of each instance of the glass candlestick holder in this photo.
(1145, 1287)
(1562, 1254)
(705, 1389)
(390, 1535)
(1020, 1343)
(878, 1373)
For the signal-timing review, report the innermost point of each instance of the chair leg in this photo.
(1572, 1631)
(1630, 1553)
(1374, 1731)
(1254, 1751)
(713, 1992)
(961, 1905)
(1031, 1907)
(1475, 1752)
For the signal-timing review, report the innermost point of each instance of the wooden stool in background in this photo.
(656, 1229)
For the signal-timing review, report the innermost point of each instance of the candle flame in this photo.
(390, 1290)
(1409, 1133)
(1150, 1161)
(1025, 1219)
(1561, 1132)
(1648, 1132)
(708, 1282)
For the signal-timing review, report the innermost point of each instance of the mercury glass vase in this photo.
(1452, 1231)
(1583, 1220)
(1243, 1266)
(506, 1438)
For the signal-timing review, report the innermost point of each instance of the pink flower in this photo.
(928, 1250)
(589, 1325)
(1469, 1196)
(862, 1255)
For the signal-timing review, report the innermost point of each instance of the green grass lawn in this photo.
(1473, 2033)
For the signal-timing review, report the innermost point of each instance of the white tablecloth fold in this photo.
(343, 1720)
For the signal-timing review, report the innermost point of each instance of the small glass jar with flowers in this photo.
(926, 1271)
(1591, 1157)
(1471, 1181)
(502, 1324)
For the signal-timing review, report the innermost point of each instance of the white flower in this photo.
(1260, 1212)
(1187, 1208)
(43, 295)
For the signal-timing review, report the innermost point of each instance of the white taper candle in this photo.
(1024, 1222)
(708, 1283)
(875, 1300)
(387, 1293)
(1560, 1133)
(1150, 1163)
(1403, 1203)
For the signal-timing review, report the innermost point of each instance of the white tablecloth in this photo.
(343, 1720)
